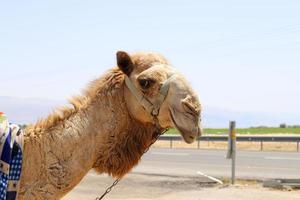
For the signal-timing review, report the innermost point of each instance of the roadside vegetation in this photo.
(248, 131)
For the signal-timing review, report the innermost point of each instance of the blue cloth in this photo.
(10, 160)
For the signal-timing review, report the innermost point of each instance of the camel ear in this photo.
(124, 62)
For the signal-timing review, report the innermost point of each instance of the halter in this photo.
(151, 107)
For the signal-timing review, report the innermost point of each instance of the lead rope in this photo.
(157, 133)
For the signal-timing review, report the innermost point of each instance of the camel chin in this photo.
(186, 124)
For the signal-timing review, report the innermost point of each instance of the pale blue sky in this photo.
(238, 55)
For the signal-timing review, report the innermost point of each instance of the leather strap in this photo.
(150, 107)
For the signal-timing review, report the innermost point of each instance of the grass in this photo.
(247, 131)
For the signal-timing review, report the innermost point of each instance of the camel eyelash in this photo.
(146, 83)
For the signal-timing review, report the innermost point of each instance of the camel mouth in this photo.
(189, 134)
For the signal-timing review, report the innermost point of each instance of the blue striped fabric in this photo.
(10, 159)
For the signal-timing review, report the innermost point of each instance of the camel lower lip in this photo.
(187, 135)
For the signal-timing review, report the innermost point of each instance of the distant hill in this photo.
(28, 110)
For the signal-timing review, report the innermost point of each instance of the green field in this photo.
(250, 131)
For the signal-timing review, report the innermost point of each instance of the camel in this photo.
(107, 128)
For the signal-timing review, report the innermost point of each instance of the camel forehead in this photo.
(145, 60)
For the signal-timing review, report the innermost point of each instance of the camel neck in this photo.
(57, 158)
(122, 142)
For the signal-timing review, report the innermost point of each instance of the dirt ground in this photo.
(145, 187)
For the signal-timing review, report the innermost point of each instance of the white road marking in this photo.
(281, 158)
(210, 177)
(170, 154)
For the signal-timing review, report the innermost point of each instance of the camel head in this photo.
(161, 91)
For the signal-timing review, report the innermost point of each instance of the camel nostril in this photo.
(190, 108)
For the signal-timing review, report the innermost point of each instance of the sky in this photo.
(238, 55)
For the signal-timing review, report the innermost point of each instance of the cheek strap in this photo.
(151, 107)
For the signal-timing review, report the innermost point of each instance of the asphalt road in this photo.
(190, 162)
(174, 174)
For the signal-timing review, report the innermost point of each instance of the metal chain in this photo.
(109, 189)
(158, 133)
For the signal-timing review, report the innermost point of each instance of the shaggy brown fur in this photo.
(101, 87)
(124, 150)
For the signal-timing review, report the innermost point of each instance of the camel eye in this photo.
(146, 83)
